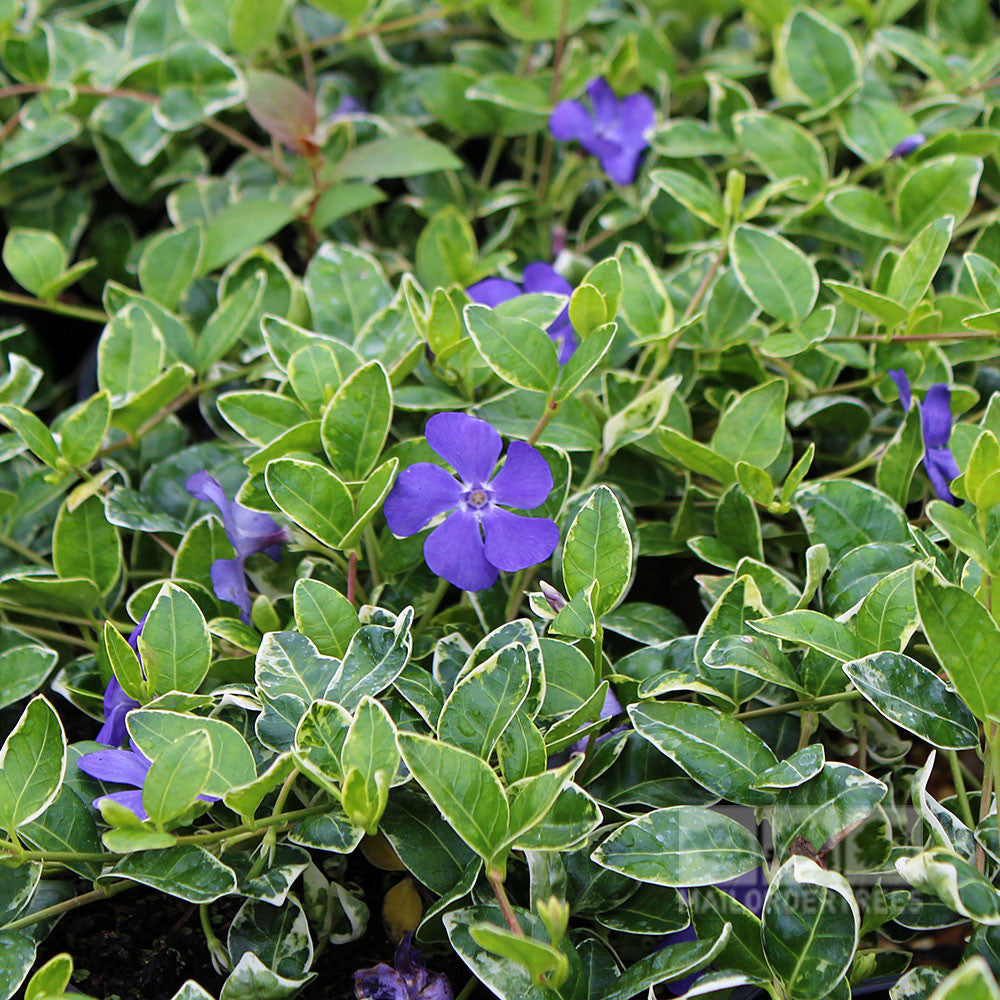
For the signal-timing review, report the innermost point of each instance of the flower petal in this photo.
(563, 336)
(525, 480)
(941, 469)
(638, 114)
(437, 988)
(120, 766)
(254, 531)
(382, 982)
(539, 276)
(421, 492)
(469, 445)
(607, 109)
(570, 120)
(516, 542)
(229, 582)
(622, 165)
(203, 486)
(454, 550)
(117, 704)
(130, 800)
(902, 386)
(935, 416)
(133, 639)
(492, 291)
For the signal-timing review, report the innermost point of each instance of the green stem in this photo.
(428, 613)
(791, 706)
(598, 656)
(57, 909)
(496, 881)
(23, 550)
(963, 798)
(468, 989)
(551, 409)
(261, 824)
(48, 633)
(220, 956)
(516, 593)
(492, 159)
(55, 306)
(371, 554)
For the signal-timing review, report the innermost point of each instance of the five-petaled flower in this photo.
(248, 531)
(906, 146)
(405, 979)
(612, 129)
(117, 704)
(538, 277)
(122, 767)
(478, 537)
(935, 425)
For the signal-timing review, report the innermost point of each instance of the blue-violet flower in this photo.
(906, 146)
(538, 277)
(249, 532)
(409, 980)
(117, 704)
(123, 767)
(612, 129)
(479, 537)
(935, 425)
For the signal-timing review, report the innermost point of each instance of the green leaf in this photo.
(844, 514)
(485, 700)
(85, 545)
(940, 187)
(785, 151)
(532, 20)
(17, 956)
(254, 24)
(955, 882)
(170, 262)
(175, 645)
(32, 765)
(820, 58)
(370, 751)
(825, 807)
(810, 928)
(130, 354)
(83, 430)
(313, 497)
(185, 871)
(862, 208)
(51, 979)
(752, 428)
(463, 787)
(400, 155)
(913, 697)
(965, 641)
(681, 846)
(899, 461)
(228, 323)
(545, 964)
(356, 422)
(232, 762)
(24, 665)
(972, 980)
(644, 304)
(598, 548)
(325, 616)
(520, 352)
(815, 630)
(883, 308)
(196, 82)
(717, 751)
(712, 909)
(587, 356)
(800, 767)
(178, 776)
(313, 373)
(345, 287)
(919, 262)
(695, 195)
(33, 257)
(776, 274)
(32, 432)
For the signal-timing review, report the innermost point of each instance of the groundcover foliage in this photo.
(533, 473)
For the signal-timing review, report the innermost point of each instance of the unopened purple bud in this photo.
(556, 600)
(906, 146)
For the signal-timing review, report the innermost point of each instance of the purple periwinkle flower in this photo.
(538, 277)
(612, 129)
(478, 537)
(906, 146)
(935, 425)
(117, 704)
(409, 980)
(123, 767)
(248, 531)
